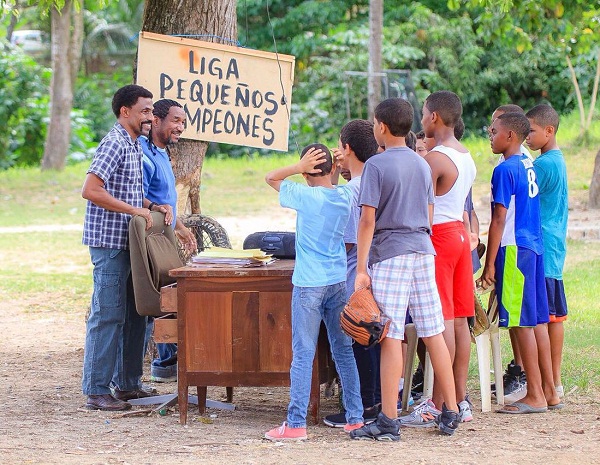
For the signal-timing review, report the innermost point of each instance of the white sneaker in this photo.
(516, 395)
(560, 391)
(422, 416)
(465, 410)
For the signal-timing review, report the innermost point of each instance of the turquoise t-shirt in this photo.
(551, 173)
(322, 215)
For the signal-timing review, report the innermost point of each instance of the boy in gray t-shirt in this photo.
(396, 202)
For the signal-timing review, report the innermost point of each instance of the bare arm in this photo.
(366, 229)
(494, 240)
(306, 164)
(94, 191)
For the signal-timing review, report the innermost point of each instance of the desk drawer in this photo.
(168, 298)
(165, 330)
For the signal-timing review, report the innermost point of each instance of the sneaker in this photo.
(465, 410)
(518, 393)
(422, 416)
(513, 379)
(348, 427)
(285, 433)
(163, 374)
(411, 401)
(338, 420)
(447, 421)
(383, 429)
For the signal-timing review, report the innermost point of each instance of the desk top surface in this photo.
(277, 268)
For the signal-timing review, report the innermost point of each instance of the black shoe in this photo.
(447, 421)
(134, 394)
(417, 381)
(383, 429)
(106, 402)
(513, 379)
(338, 420)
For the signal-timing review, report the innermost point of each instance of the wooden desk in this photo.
(234, 329)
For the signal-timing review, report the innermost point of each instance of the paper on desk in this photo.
(223, 256)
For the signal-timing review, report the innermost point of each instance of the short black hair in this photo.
(544, 115)
(163, 106)
(127, 96)
(411, 141)
(397, 114)
(326, 166)
(510, 108)
(420, 135)
(515, 122)
(459, 129)
(447, 105)
(358, 134)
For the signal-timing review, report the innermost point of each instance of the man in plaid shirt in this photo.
(114, 341)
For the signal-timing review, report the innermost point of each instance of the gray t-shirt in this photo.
(398, 184)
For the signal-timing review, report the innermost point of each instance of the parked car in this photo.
(32, 41)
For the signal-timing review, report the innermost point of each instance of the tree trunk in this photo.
(595, 184)
(375, 40)
(61, 91)
(76, 43)
(218, 19)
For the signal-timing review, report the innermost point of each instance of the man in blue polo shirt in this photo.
(114, 340)
(159, 188)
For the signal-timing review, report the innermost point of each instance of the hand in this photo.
(338, 157)
(362, 280)
(487, 277)
(311, 159)
(146, 214)
(186, 237)
(473, 240)
(168, 211)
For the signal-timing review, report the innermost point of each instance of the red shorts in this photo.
(453, 269)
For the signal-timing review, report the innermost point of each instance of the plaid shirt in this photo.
(118, 162)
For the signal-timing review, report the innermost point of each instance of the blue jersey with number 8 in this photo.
(515, 187)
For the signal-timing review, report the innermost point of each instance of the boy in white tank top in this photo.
(453, 172)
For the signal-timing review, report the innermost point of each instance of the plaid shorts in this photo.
(408, 280)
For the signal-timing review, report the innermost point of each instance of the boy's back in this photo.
(514, 186)
(397, 182)
(551, 171)
(322, 215)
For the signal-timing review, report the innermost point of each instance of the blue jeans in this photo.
(310, 306)
(114, 340)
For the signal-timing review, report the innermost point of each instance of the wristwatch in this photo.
(151, 205)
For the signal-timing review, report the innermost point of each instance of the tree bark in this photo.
(61, 91)
(594, 201)
(217, 19)
(375, 59)
(76, 43)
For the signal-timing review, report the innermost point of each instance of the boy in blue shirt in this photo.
(514, 261)
(551, 173)
(319, 281)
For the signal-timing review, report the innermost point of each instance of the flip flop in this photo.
(556, 406)
(522, 408)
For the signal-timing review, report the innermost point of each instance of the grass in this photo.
(48, 272)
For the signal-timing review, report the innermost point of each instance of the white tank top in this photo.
(451, 205)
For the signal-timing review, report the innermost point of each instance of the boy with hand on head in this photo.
(551, 173)
(356, 145)
(514, 260)
(396, 199)
(453, 172)
(319, 281)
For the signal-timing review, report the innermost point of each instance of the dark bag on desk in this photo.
(277, 243)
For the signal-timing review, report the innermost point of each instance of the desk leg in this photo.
(315, 392)
(202, 398)
(182, 391)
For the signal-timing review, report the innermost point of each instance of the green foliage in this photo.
(23, 108)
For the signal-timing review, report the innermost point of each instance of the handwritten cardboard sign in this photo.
(229, 94)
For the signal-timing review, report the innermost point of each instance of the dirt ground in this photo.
(43, 421)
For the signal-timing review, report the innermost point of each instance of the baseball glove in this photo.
(362, 320)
